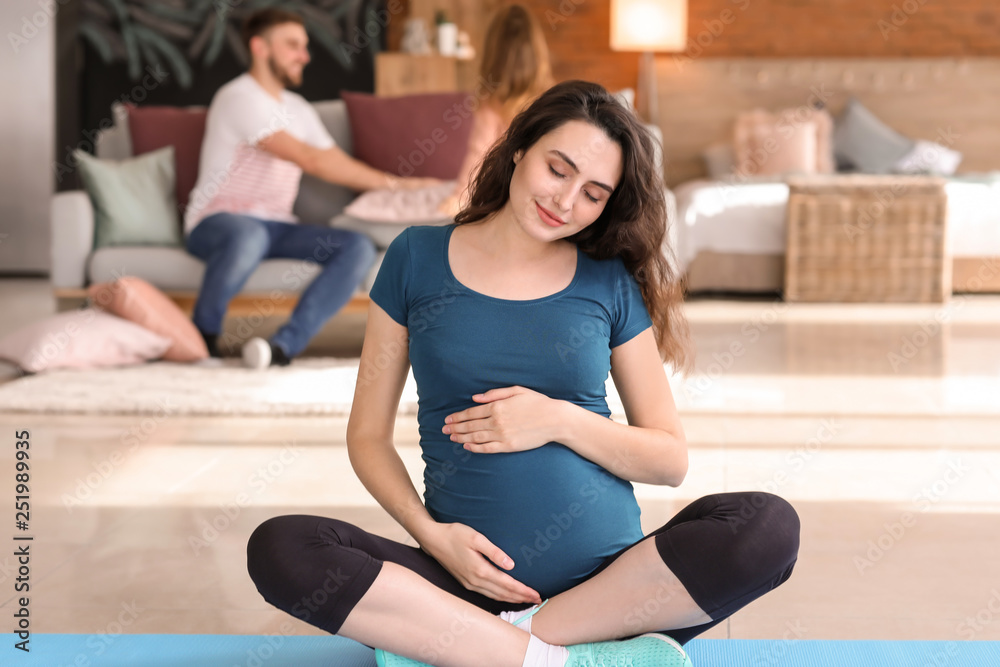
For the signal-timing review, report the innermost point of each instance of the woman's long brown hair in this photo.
(633, 224)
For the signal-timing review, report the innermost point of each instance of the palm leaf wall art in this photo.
(180, 35)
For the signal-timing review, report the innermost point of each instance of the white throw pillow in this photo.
(626, 96)
(928, 157)
(85, 338)
(403, 207)
(720, 161)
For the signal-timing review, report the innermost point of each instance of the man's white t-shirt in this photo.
(235, 176)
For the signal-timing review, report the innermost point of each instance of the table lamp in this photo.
(648, 26)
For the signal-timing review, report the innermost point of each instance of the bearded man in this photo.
(259, 139)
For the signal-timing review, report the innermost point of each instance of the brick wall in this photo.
(578, 31)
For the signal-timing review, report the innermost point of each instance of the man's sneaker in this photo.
(650, 650)
(259, 354)
(386, 659)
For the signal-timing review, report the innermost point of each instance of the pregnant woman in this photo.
(530, 547)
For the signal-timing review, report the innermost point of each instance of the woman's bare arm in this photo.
(381, 376)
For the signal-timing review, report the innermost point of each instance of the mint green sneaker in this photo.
(386, 659)
(649, 650)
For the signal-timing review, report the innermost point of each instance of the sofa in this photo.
(77, 264)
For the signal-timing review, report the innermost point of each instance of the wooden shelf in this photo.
(409, 73)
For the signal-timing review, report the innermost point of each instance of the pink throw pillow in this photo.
(137, 301)
(794, 140)
(412, 135)
(155, 127)
(402, 207)
(84, 338)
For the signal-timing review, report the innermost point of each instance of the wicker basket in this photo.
(867, 238)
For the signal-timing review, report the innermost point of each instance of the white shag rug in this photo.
(310, 386)
(319, 386)
(325, 386)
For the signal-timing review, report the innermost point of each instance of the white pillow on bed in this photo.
(720, 161)
(928, 157)
(626, 96)
(403, 207)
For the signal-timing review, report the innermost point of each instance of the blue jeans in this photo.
(233, 245)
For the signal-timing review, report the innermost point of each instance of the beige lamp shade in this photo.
(648, 25)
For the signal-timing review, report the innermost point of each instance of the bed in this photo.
(730, 235)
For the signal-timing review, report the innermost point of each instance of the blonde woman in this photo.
(516, 68)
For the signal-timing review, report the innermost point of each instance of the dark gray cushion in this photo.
(861, 140)
(333, 113)
(318, 201)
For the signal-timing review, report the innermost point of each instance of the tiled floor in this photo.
(882, 430)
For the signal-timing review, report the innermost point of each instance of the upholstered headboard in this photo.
(953, 101)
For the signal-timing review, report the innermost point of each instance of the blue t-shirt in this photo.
(555, 513)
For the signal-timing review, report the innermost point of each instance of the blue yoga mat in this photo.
(186, 651)
(278, 651)
(828, 653)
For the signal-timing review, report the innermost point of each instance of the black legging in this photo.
(726, 549)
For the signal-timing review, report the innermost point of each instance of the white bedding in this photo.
(749, 218)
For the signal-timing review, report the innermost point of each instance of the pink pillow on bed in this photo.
(84, 338)
(794, 140)
(137, 301)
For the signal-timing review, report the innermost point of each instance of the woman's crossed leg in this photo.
(715, 556)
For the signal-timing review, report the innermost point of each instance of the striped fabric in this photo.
(258, 184)
(234, 176)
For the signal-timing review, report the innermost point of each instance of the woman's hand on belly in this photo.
(463, 551)
(511, 419)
